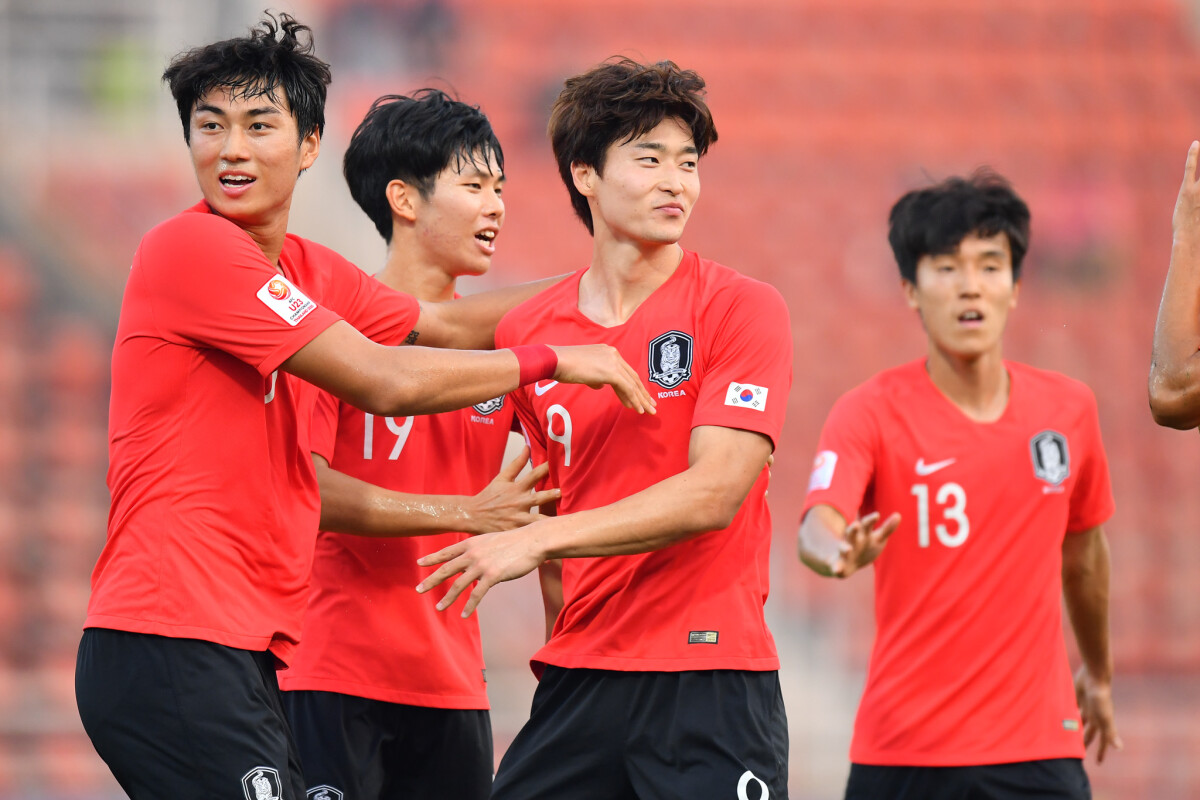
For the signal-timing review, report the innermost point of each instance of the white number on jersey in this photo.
(401, 430)
(743, 789)
(565, 439)
(953, 502)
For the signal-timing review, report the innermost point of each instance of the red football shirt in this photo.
(214, 496)
(367, 632)
(969, 664)
(715, 348)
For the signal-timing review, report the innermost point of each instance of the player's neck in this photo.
(978, 386)
(269, 237)
(417, 277)
(622, 276)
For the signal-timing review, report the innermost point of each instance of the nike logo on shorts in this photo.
(929, 469)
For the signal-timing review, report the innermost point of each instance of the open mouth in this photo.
(487, 237)
(970, 316)
(236, 181)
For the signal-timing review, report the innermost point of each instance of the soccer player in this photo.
(995, 485)
(1174, 379)
(660, 678)
(386, 696)
(199, 590)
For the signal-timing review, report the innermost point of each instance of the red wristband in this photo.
(537, 362)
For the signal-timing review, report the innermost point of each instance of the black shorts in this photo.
(1048, 779)
(653, 735)
(364, 749)
(185, 719)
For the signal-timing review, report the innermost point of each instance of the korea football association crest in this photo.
(1051, 458)
(491, 406)
(262, 783)
(324, 793)
(671, 359)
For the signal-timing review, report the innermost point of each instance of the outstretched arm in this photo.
(830, 547)
(723, 464)
(469, 323)
(1175, 362)
(349, 505)
(403, 381)
(1085, 588)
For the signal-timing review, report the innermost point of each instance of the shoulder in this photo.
(194, 227)
(886, 387)
(727, 285)
(1048, 385)
(515, 324)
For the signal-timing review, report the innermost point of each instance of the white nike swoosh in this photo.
(540, 390)
(929, 469)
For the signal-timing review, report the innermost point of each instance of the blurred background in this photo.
(827, 111)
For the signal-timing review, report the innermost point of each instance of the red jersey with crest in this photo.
(214, 496)
(715, 348)
(969, 664)
(367, 632)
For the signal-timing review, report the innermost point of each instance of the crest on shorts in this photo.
(491, 406)
(262, 783)
(1051, 458)
(671, 359)
(324, 793)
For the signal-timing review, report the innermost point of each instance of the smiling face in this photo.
(648, 188)
(964, 297)
(247, 154)
(457, 225)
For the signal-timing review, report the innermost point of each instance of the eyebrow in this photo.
(479, 172)
(260, 111)
(658, 147)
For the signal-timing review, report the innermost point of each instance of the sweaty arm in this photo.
(723, 464)
(469, 323)
(832, 548)
(1085, 577)
(1174, 384)
(350, 505)
(404, 381)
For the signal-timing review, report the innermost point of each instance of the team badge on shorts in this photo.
(262, 783)
(671, 359)
(1051, 459)
(491, 406)
(324, 793)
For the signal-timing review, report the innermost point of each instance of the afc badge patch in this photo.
(670, 359)
(324, 793)
(1051, 458)
(491, 406)
(262, 783)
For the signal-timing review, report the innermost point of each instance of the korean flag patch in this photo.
(746, 395)
(281, 296)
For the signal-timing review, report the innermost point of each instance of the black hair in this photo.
(619, 101)
(413, 138)
(278, 53)
(935, 220)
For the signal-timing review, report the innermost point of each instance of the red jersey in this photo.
(969, 664)
(715, 348)
(214, 496)
(367, 632)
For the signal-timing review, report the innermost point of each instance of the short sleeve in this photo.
(209, 285)
(1091, 498)
(323, 431)
(380, 313)
(748, 371)
(844, 467)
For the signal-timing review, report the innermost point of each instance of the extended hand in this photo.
(505, 502)
(1186, 220)
(488, 559)
(862, 542)
(1096, 709)
(595, 365)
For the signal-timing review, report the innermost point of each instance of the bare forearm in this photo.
(820, 539)
(349, 505)
(469, 323)
(1174, 384)
(1085, 589)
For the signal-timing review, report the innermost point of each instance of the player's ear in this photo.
(400, 198)
(310, 148)
(584, 176)
(910, 293)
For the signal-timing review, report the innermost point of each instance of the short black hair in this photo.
(618, 101)
(935, 220)
(277, 53)
(413, 138)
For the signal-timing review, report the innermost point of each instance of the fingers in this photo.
(631, 391)
(440, 557)
(1189, 167)
(476, 596)
(513, 468)
(881, 534)
(547, 496)
(456, 589)
(533, 477)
